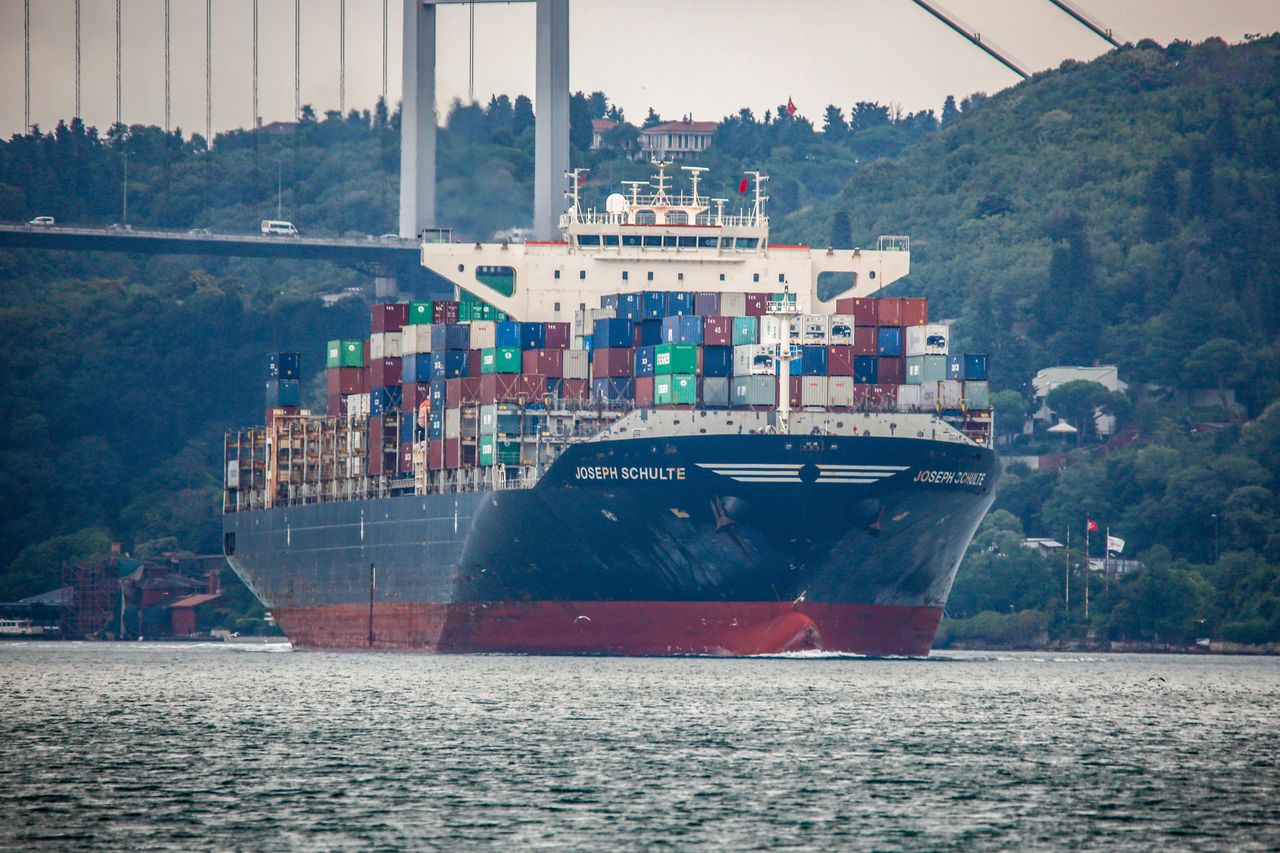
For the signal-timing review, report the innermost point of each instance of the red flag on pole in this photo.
(742, 187)
(1093, 525)
(791, 107)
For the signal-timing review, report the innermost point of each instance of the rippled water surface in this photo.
(190, 747)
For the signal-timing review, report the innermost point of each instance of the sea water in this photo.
(224, 747)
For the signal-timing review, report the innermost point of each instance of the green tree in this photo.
(841, 230)
(1162, 201)
(949, 111)
(579, 122)
(1221, 362)
(652, 119)
(1011, 410)
(1079, 401)
(833, 122)
(38, 568)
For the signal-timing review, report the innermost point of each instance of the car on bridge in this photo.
(279, 228)
(42, 221)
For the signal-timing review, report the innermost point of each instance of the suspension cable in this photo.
(384, 55)
(168, 125)
(208, 74)
(342, 57)
(255, 64)
(297, 60)
(118, 99)
(78, 59)
(26, 68)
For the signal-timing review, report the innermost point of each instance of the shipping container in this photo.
(861, 308)
(815, 329)
(497, 387)
(484, 334)
(839, 360)
(715, 391)
(453, 453)
(680, 302)
(358, 405)
(643, 362)
(733, 304)
(717, 361)
(485, 451)
(610, 389)
(864, 370)
(977, 394)
(889, 341)
(421, 314)
(683, 329)
(501, 360)
(678, 389)
(866, 340)
(445, 312)
(385, 399)
(644, 391)
(746, 330)
(891, 371)
(840, 392)
(613, 334)
(813, 360)
(547, 362)
(773, 330)
(452, 423)
(754, 360)
(557, 335)
(385, 371)
(813, 391)
(584, 320)
(753, 391)
(757, 304)
(889, 311)
(915, 311)
(950, 394)
(706, 303)
(930, 339)
(415, 339)
(612, 362)
(414, 394)
(344, 380)
(335, 405)
(575, 389)
(450, 364)
(969, 366)
(648, 333)
(653, 304)
(909, 397)
(345, 354)
(385, 345)
(284, 365)
(576, 364)
(416, 368)
(840, 330)
(533, 335)
(389, 317)
(675, 358)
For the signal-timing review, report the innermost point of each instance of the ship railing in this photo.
(893, 243)
(593, 217)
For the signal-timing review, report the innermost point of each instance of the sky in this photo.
(704, 58)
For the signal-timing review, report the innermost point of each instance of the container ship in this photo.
(659, 435)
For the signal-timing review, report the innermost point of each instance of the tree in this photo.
(1200, 192)
(949, 110)
(39, 567)
(597, 104)
(1162, 201)
(866, 115)
(579, 122)
(1079, 401)
(841, 230)
(652, 119)
(1220, 361)
(521, 115)
(1011, 411)
(833, 122)
(1226, 140)
(623, 138)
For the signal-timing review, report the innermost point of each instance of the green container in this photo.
(782, 297)
(915, 370)
(500, 360)
(935, 368)
(485, 453)
(675, 390)
(508, 452)
(745, 331)
(675, 358)
(345, 354)
(421, 313)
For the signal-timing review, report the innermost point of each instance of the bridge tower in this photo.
(418, 118)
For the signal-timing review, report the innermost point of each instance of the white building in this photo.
(675, 139)
(1106, 375)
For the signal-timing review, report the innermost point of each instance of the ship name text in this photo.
(614, 472)
(951, 478)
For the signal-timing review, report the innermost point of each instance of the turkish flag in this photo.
(791, 107)
(1091, 525)
(742, 187)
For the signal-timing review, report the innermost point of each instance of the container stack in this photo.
(284, 394)
(470, 387)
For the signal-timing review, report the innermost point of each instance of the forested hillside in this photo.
(1123, 211)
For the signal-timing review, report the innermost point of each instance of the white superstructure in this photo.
(654, 238)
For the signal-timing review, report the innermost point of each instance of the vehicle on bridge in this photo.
(42, 221)
(279, 228)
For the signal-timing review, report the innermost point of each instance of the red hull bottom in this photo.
(615, 627)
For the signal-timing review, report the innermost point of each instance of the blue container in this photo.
(612, 389)
(680, 302)
(588, 341)
(653, 304)
(283, 392)
(507, 334)
(406, 429)
(555, 387)
(865, 370)
(435, 425)
(682, 329)
(630, 306)
(644, 361)
(458, 336)
(415, 368)
(613, 333)
(610, 301)
(533, 335)
(889, 342)
(975, 367)
(439, 394)
(650, 333)
(384, 400)
(439, 337)
(717, 361)
(455, 363)
(283, 365)
(813, 360)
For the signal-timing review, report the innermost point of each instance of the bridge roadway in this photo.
(393, 255)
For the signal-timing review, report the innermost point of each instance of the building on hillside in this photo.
(599, 128)
(1106, 375)
(673, 140)
(1046, 547)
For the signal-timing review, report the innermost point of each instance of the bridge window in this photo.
(650, 275)
(669, 242)
(746, 243)
(645, 217)
(497, 278)
(624, 275)
(588, 239)
(707, 242)
(630, 240)
(582, 274)
(687, 242)
(653, 241)
(677, 217)
(557, 273)
(722, 276)
(755, 276)
(831, 284)
(611, 239)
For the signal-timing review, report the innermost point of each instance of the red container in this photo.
(389, 317)
(865, 339)
(558, 335)
(496, 388)
(891, 371)
(406, 458)
(368, 347)
(915, 311)
(384, 372)
(375, 462)
(413, 395)
(797, 390)
(473, 362)
(335, 405)
(888, 311)
(574, 389)
(862, 395)
(445, 312)
(532, 387)
(862, 309)
(453, 452)
(757, 304)
(644, 391)
(717, 332)
(839, 360)
(612, 362)
(375, 435)
(470, 389)
(548, 362)
(435, 454)
(344, 380)
(882, 396)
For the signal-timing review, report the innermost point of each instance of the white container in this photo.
(377, 347)
(930, 339)
(813, 392)
(754, 360)
(452, 423)
(357, 404)
(840, 330)
(415, 339)
(774, 330)
(733, 304)
(584, 319)
(484, 334)
(385, 345)
(950, 393)
(575, 364)
(840, 392)
(928, 395)
(909, 396)
(815, 329)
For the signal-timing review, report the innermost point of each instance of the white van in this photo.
(279, 228)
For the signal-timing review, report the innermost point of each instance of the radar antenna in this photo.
(695, 173)
(576, 178)
(659, 182)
